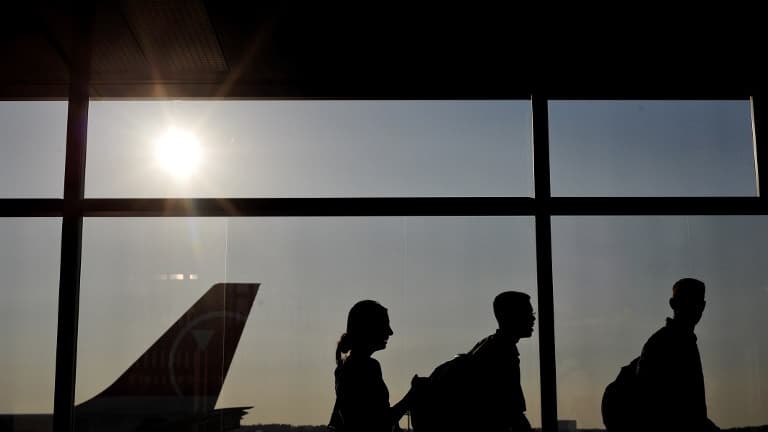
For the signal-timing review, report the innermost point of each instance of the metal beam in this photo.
(21, 207)
(72, 226)
(759, 133)
(310, 207)
(650, 206)
(548, 367)
(108, 88)
(414, 206)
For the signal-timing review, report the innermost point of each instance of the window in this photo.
(32, 156)
(613, 279)
(651, 148)
(145, 279)
(309, 148)
(437, 277)
(29, 265)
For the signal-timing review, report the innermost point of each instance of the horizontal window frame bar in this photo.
(31, 207)
(107, 89)
(629, 96)
(384, 206)
(657, 206)
(310, 207)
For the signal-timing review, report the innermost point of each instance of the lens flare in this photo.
(178, 152)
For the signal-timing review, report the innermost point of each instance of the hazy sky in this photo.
(437, 275)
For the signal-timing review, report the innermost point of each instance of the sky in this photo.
(437, 275)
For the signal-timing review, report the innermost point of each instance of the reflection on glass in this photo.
(613, 281)
(29, 280)
(32, 157)
(308, 148)
(436, 276)
(651, 148)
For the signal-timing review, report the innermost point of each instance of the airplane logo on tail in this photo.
(175, 383)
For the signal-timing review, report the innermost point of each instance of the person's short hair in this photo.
(688, 289)
(509, 301)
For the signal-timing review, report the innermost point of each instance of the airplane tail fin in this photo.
(184, 370)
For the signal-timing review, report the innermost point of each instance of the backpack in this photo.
(443, 401)
(620, 400)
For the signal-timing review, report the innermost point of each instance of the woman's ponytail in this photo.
(343, 346)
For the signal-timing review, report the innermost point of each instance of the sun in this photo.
(178, 152)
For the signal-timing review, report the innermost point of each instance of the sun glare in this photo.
(178, 152)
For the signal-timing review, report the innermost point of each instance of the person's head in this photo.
(514, 313)
(367, 329)
(687, 301)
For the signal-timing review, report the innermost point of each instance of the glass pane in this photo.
(29, 286)
(309, 148)
(652, 148)
(437, 277)
(33, 136)
(613, 279)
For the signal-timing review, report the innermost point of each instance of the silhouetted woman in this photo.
(362, 398)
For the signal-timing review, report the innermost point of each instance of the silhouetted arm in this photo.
(399, 409)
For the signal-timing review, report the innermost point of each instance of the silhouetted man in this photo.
(669, 370)
(500, 400)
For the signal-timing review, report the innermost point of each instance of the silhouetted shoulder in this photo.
(669, 339)
(659, 340)
(359, 367)
(495, 346)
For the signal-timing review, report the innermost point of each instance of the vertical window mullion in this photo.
(540, 114)
(759, 132)
(72, 224)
